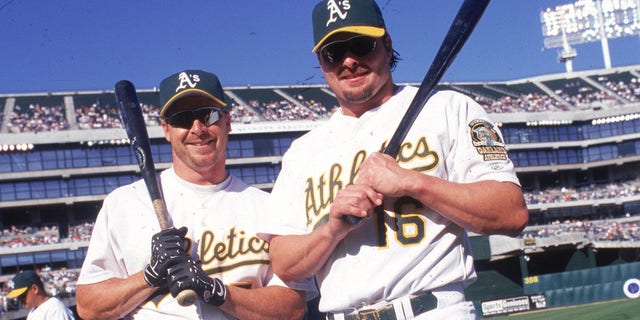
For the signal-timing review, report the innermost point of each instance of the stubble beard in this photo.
(358, 96)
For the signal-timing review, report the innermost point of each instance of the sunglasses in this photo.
(184, 119)
(359, 45)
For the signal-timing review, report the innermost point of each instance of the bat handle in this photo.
(186, 297)
(392, 149)
(352, 220)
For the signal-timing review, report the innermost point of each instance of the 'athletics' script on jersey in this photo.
(234, 245)
(321, 191)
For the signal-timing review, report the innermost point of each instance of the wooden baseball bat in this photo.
(465, 21)
(136, 128)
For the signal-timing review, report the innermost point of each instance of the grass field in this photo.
(611, 310)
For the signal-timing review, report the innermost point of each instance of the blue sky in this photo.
(70, 45)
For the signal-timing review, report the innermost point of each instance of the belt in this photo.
(419, 305)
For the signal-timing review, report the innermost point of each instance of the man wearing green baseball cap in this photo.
(28, 288)
(210, 207)
(409, 257)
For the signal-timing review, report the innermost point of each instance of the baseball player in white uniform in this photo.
(452, 174)
(225, 262)
(28, 288)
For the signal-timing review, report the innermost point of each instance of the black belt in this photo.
(419, 305)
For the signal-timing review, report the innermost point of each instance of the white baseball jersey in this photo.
(414, 249)
(221, 222)
(51, 309)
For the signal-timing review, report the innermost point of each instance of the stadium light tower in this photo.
(567, 54)
(588, 21)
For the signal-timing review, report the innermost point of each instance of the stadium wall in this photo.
(582, 286)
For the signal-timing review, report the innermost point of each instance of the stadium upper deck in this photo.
(577, 96)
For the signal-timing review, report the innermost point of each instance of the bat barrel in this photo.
(126, 92)
(135, 126)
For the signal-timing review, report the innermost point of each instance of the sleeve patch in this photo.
(487, 141)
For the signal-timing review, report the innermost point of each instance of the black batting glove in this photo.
(166, 250)
(188, 274)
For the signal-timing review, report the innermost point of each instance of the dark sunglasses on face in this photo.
(184, 119)
(359, 45)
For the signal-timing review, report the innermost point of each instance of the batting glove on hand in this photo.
(166, 249)
(188, 274)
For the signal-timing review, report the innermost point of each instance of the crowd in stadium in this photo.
(18, 237)
(98, 116)
(627, 90)
(241, 114)
(590, 192)
(533, 102)
(282, 110)
(582, 96)
(15, 237)
(39, 117)
(598, 230)
(58, 282)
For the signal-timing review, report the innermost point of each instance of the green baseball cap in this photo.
(190, 82)
(22, 281)
(357, 16)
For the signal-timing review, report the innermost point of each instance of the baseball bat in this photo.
(463, 24)
(134, 124)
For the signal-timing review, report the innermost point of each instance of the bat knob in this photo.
(186, 297)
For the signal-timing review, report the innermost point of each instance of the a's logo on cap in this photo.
(11, 284)
(187, 80)
(337, 9)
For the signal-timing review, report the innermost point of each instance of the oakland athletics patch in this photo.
(487, 141)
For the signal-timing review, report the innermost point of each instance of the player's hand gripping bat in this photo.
(465, 21)
(135, 126)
